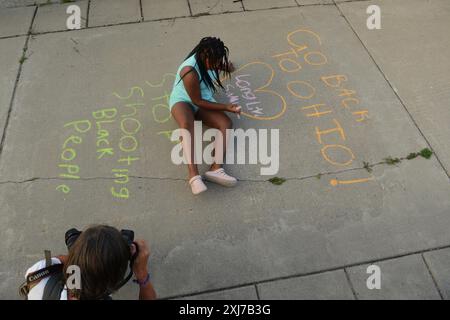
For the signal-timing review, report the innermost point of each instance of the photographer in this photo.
(102, 255)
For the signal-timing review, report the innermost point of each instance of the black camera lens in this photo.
(128, 236)
(71, 236)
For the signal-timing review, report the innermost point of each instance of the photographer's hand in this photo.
(140, 270)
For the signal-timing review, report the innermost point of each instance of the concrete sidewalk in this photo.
(344, 98)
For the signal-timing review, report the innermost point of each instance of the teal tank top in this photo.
(179, 92)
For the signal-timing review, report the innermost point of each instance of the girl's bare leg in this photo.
(184, 116)
(218, 120)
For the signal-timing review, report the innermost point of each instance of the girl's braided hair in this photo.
(213, 50)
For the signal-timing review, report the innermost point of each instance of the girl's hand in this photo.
(140, 266)
(234, 108)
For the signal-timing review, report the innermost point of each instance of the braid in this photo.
(214, 50)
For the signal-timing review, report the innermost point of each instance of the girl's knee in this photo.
(226, 123)
(186, 124)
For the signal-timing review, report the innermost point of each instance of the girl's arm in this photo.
(192, 84)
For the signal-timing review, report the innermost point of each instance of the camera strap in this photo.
(130, 274)
(33, 278)
(40, 274)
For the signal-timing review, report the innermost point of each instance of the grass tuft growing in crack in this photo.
(392, 161)
(426, 153)
(412, 155)
(277, 181)
(367, 166)
(23, 58)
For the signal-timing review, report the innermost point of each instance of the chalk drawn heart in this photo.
(248, 87)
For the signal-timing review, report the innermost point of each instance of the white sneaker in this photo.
(197, 185)
(220, 177)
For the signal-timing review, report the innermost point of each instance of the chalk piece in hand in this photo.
(238, 115)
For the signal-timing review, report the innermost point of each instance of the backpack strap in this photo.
(35, 277)
(48, 258)
(55, 283)
(54, 287)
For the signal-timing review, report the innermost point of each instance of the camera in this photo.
(72, 235)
